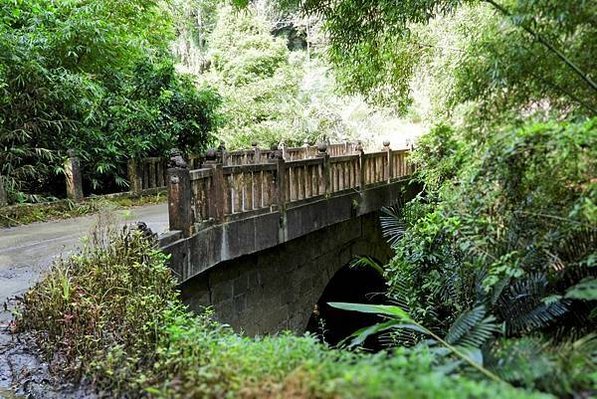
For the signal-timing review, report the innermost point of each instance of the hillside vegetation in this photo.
(492, 289)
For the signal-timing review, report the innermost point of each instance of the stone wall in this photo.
(277, 288)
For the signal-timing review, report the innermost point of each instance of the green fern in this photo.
(398, 319)
(472, 329)
(392, 224)
(523, 305)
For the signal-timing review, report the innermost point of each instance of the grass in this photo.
(112, 315)
(22, 214)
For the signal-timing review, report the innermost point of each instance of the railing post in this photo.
(388, 170)
(282, 147)
(305, 149)
(326, 170)
(280, 180)
(3, 196)
(180, 214)
(217, 199)
(134, 176)
(361, 174)
(257, 153)
(223, 154)
(74, 180)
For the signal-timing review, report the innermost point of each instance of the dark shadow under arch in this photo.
(355, 285)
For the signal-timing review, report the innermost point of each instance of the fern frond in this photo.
(523, 307)
(366, 262)
(464, 323)
(472, 329)
(398, 293)
(578, 245)
(392, 224)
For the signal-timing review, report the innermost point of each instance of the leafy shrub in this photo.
(506, 223)
(112, 314)
(95, 77)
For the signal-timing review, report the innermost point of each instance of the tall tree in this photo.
(521, 56)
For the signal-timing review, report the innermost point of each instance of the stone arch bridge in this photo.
(259, 235)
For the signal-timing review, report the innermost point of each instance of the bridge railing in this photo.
(304, 179)
(257, 155)
(217, 192)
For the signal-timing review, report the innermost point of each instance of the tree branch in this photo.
(543, 41)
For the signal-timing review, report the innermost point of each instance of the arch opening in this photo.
(354, 285)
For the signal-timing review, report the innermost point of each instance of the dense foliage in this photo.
(113, 314)
(498, 255)
(253, 71)
(95, 77)
(504, 56)
(273, 91)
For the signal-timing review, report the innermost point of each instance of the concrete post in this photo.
(74, 180)
(257, 153)
(3, 196)
(180, 215)
(322, 153)
(217, 199)
(361, 175)
(388, 170)
(134, 176)
(280, 180)
(305, 149)
(223, 154)
(282, 146)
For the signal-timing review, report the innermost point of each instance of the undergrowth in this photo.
(111, 315)
(16, 215)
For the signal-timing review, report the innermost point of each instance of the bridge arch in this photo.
(352, 285)
(278, 288)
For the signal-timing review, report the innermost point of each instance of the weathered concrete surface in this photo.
(276, 289)
(265, 273)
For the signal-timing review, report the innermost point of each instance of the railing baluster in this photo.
(238, 193)
(300, 183)
(249, 205)
(307, 176)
